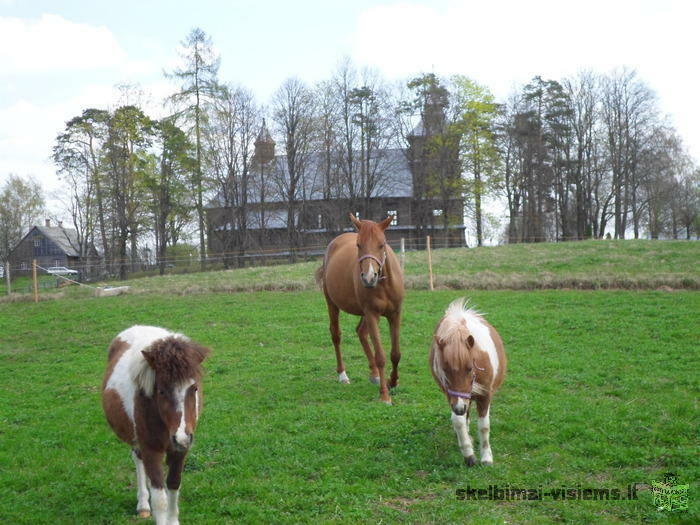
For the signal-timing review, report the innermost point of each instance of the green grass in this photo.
(629, 264)
(602, 391)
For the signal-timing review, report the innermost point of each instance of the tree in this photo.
(294, 114)
(166, 176)
(230, 136)
(21, 205)
(199, 83)
(474, 129)
(78, 155)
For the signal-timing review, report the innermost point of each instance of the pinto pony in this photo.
(152, 398)
(468, 362)
(362, 276)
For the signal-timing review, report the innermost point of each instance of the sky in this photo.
(60, 57)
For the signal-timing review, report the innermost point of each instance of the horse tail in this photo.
(318, 274)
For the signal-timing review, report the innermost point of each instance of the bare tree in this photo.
(21, 204)
(294, 114)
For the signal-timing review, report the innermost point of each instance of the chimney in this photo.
(60, 224)
(48, 223)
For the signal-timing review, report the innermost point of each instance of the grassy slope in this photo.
(601, 394)
(626, 264)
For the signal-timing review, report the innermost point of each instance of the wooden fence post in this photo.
(430, 263)
(403, 252)
(35, 282)
(8, 279)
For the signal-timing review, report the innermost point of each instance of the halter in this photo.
(466, 395)
(376, 259)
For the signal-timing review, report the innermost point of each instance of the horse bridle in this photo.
(376, 259)
(466, 395)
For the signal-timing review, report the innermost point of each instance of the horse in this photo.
(468, 361)
(152, 399)
(362, 276)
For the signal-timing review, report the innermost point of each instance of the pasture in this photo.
(602, 392)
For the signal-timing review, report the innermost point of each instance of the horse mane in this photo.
(452, 334)
(173, 359)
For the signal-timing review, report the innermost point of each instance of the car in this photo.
(61, 270)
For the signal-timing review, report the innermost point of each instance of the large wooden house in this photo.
(52, 246)
(320, 212)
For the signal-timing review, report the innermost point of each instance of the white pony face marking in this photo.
(182, 437)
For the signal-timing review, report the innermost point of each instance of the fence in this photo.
(21, 280)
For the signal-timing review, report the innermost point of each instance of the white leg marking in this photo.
(173, 510)
(483, 423)
(159, 506)
(343, 378)
(461, 427)
(142, 505)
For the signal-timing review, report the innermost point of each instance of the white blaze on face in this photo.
(369, 276)
(180, 393)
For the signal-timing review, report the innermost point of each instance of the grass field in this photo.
(602, 392)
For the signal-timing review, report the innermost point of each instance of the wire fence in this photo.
(19, 278)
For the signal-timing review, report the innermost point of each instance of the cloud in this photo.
(53, 44)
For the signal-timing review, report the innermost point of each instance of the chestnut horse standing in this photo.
(152, 398)
(362, 276)
(468, 362)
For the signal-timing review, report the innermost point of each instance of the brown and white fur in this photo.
(464, 343)
(152, 398)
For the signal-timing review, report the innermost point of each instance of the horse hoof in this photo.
(374, 380)
(144, 514)
(343, 378)
(487, 463)
(386, 401)
(470, 461)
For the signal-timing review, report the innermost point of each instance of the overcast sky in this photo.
(60, 57)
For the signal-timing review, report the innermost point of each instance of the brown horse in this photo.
(152, 398)
(362, 276)
(468, 362)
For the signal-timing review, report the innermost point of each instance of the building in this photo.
(51, 246)
(403, 185)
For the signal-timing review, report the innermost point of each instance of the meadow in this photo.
(601, 392)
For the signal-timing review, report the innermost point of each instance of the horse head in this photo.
(176, 366)
(371, 249)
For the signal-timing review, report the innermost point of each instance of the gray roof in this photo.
(65, 238)
(390, 166)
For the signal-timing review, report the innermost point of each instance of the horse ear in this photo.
(386, 222)
(355, 221)
(200, 352)
(470, 342)
(149, 357)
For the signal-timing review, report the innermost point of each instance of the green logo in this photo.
(669, 495)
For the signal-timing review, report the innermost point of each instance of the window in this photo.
(37, 242)
(57, 262)
(395, 217)
(437, 213)
(23, 266)
(320, 221)
(357, 215)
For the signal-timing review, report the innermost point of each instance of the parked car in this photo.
(61, 270)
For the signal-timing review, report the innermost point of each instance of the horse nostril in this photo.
(459, 409)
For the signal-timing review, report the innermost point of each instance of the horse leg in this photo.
(483, 424)
(395, 326)
(362, 333)
(460, 423)
(143, 508)
(333, 315)
(379, 357)
(176, 462)
(153, 464)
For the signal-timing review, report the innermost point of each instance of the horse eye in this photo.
(358, 246)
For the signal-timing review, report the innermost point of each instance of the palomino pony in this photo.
(152, 397)
(468, 362)
(362, 276)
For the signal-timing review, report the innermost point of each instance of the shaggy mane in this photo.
(172, 359)
(452, 332)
